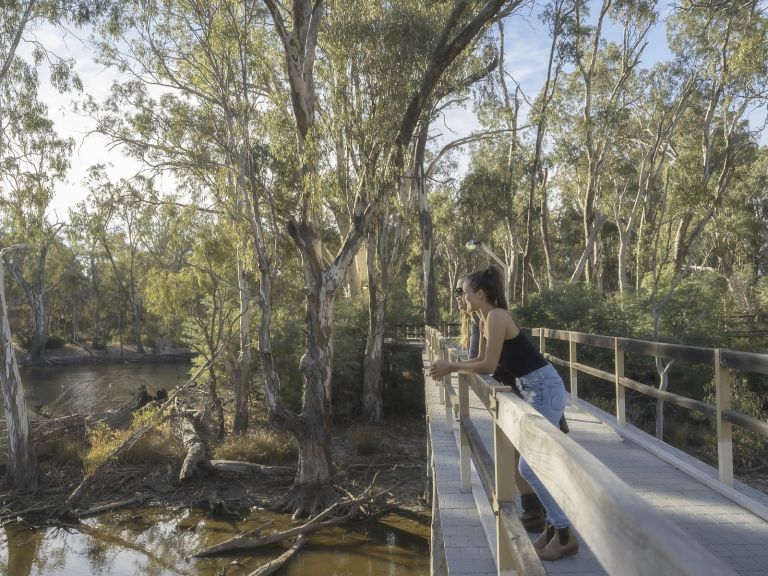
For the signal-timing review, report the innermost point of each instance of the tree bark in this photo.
(373, 381)
(242, 370)
(35, 293)
(22, 463)
(431, 308)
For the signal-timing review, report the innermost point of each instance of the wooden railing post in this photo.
(621, 407)
(542, 341)
(443, 355)
(724, 428)
(503, 455)
(465, 453)
(572, 359)
(450, 355)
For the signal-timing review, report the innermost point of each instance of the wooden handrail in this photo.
(744, 361)
(618, 526)
(625, 534)
(724, 362)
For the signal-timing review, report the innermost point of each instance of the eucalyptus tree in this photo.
(369, 127)
(22, 462)
(726, 43)
(214, 62)
(300, 41)
(661, 102)
(203, 294)
(603, 76)
(19, 20)
(558, 15)
(33, 160)
(117, 217)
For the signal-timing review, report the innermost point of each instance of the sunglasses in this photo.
(458, 292)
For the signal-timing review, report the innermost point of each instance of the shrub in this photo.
(259, 446)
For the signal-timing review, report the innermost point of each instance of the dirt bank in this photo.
(71, 355)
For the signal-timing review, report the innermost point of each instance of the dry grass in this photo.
(66, 450)
(364, 440)
(260, 446)
(157, 446)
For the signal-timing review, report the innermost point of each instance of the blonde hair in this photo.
(465, 323)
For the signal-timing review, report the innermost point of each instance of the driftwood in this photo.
(238, 467)
(317, 523)
(194, 447)
(280, 561)
(133, 438)
(138, 499)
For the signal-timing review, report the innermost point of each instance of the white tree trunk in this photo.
(22, 463)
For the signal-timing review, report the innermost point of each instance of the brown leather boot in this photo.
(545, 537)
(562, 544)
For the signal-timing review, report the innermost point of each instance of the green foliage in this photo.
(566, 307)
(403, 378)
(748, 395)
(350, 332)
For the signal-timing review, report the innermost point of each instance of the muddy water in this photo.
(96, 386)
(157, 543)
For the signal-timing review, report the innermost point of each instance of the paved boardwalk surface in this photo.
(735, 535)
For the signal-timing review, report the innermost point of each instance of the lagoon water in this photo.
(155, 541)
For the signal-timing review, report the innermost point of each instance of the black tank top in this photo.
(518, 358)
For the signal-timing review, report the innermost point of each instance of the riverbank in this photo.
(75, 355)
(148, 476)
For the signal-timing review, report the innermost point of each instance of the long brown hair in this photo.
(490, 282)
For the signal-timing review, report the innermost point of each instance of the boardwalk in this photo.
(736, 536)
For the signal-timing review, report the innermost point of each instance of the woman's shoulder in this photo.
(499, 316)
(502, 318)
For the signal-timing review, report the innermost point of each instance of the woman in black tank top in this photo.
(506, 350)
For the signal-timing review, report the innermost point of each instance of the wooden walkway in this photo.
(465, 522)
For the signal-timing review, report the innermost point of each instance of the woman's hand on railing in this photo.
(439, 369)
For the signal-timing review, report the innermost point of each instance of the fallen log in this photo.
(317, 523)
(133, 438)
(275, 565)
(138, 499)
(239, 467)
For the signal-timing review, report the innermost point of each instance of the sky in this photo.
(526, 53)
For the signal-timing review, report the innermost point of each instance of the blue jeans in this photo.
(544, 390)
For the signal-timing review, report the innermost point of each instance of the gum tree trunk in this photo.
(22, 463)
(373, 382)
(35, 293)
(242, 371)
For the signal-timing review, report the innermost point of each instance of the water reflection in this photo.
(156, 542)
(96, 386)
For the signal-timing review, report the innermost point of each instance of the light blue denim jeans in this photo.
(544, 390)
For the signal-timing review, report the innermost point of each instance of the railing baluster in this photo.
(572, 360)
(465, 453)
(442, 354)
(503, 455)
(724, 428)
(621, 407)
